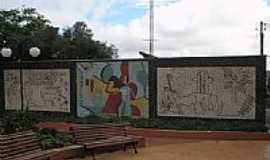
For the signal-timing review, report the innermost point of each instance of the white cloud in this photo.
(62, 13)
(193, 28)
(101, 9)
(182, 27)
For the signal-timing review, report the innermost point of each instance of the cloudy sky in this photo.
(182, 27)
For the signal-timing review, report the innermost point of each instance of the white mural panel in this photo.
(12, 90)
(207, 92)
(43, 90)
(47, 90)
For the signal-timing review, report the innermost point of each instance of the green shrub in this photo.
(13, 121)
(17, 121)
(184, 124)
(200, 124)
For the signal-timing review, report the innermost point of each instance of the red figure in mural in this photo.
(115, 98)
(124, 73)
(133, 93)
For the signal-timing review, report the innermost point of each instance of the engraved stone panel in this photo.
(12, 89)
(47, 90)
(44, 90)
(207, 92)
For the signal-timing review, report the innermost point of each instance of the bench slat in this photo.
(21, 146)
(33, 155)
(17, 135)
(24, 150)
(15, 143)
(103, 135)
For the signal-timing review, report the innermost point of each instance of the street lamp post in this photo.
(7, 52)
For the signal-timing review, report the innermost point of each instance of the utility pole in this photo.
(151, 28)
(262, 29)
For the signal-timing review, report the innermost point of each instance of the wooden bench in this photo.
(21, 146)
(94, 136)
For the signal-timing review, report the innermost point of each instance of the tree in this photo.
(26, 28)
(81, 44)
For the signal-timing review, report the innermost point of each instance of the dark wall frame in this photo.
(153, 63)
(255, 61)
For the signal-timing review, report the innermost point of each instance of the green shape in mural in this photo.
(106, 73)
(98, 102)
(142, 77)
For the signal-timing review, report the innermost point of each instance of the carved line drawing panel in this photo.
(207, 92)
(47, 90)
(12, 90)
(44, 90)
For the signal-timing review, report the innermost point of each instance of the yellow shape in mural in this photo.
(140, 103)
(96, 86)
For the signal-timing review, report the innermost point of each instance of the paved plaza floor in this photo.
(176, 149)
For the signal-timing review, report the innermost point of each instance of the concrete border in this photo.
(202, 135)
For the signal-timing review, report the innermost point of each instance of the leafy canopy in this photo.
(24, 28)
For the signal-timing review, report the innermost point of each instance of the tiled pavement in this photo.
(176, 149)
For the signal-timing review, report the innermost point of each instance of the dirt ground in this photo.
(174, 149)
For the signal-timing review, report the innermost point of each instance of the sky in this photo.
(183, 28)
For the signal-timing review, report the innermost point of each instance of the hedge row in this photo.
(15, 121)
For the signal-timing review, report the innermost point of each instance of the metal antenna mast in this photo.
(262, 29)
(151, 28)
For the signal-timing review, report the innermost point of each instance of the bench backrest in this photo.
(18, 144)
(92, 132)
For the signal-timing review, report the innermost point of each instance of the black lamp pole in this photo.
(20, 59)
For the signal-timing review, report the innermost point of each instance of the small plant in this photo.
(50, 138)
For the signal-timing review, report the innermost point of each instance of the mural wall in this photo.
(210, 92)
(118, 89)
(44, 90)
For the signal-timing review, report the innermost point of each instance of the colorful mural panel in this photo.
(210, 92)
(118, 89)
(44, 90)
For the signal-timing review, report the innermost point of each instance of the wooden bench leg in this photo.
(93, 154)
(134, 145)
(83, 152)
